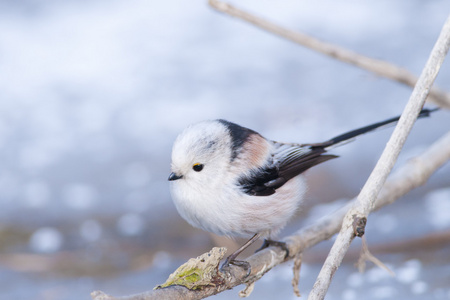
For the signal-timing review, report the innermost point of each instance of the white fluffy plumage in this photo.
(212, 199)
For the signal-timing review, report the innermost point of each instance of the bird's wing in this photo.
(288, 161)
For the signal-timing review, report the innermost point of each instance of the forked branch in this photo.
(368, 195)
(413, 174)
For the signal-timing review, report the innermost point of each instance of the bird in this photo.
(230, 180)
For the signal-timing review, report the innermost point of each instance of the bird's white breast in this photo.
(231, 212)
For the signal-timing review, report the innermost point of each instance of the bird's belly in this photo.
(214, 214)
(234, 213)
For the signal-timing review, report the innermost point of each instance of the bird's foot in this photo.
(240, 263)
(268, 243)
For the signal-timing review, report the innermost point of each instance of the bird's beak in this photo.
(174, 176)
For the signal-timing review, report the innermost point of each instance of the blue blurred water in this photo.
(93, 93)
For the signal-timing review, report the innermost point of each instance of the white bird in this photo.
(230, 180)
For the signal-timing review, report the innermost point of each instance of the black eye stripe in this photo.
(197, 167)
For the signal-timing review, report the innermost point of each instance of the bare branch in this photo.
(366, 199)
(377, 66)
(411, 175)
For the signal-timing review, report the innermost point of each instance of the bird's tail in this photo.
(354, 133)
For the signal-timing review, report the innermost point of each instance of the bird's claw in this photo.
(240, 263)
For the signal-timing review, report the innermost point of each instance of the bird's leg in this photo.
(268, 242)
(241, 263)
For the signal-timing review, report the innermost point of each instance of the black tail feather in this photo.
(354, 133)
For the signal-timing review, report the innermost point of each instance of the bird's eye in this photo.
(197, 167)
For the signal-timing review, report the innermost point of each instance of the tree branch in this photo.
(411, 175)
(377, 66)
(193, 285)
(366, 199)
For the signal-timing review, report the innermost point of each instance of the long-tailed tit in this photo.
(230, 180)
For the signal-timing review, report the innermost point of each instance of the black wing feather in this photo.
(255, 183)
(265, 181)
(302, 163)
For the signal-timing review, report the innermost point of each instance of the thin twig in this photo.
(366, 199)
(296, 271)
(409, 176)
(366, 255)
(377, 66)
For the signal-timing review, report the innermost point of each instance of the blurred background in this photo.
(93, 94)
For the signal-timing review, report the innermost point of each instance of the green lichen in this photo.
(199, 272)
(190, 278)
